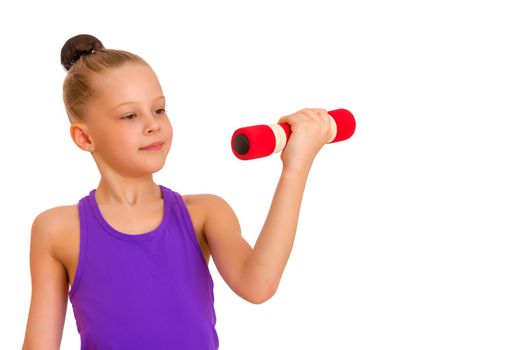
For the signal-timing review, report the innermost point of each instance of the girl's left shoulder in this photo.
(203, 199)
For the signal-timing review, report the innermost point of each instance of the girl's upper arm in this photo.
(229, 249)
(49, 281)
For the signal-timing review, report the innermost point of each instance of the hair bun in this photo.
(77, 46)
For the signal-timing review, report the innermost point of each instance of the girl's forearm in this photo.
(265, 266)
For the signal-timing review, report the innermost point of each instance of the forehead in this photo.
(131, 82)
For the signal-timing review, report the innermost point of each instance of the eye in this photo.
(128, 116)
(160, 110)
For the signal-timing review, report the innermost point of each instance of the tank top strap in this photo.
(181, 210)
(83, 215)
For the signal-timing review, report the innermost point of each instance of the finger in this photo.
(288, 119)
(315, 115)
(323, 120)
(291, 118)
(321, 112)
(322, 116)
(284, 119)
(307, 113)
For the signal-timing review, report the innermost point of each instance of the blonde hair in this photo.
(83, 56)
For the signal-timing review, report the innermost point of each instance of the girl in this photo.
(132, 255)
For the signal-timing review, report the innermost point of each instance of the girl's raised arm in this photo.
(255, 273)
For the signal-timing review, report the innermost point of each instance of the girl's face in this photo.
(127, 114)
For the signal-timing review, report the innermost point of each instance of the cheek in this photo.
(169, 130)
(123, 138)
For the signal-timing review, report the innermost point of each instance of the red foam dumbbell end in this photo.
(245, 148)
(345, 124)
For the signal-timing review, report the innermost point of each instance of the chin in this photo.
(153, 167)
(144, 167)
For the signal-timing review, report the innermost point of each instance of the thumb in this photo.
(285, 119)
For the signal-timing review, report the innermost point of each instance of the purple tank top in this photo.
(147, 291)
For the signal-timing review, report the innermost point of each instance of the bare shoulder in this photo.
(208, 210)
(216, 218)
(199, 206)
(205, 204)
(53, 223)
(192, 199)
(201, 198)
(59, 230)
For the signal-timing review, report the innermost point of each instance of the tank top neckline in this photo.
(133, 237)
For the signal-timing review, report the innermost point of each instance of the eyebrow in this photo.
(128, 102)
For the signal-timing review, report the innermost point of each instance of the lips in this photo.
(153, 145)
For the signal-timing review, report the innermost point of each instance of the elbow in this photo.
(259, 300)
(262, 295)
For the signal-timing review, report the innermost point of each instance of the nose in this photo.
(152, 124)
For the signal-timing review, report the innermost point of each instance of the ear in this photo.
(80, 135)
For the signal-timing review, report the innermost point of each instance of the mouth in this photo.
(153, 146)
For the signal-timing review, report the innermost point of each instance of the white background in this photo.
(411, 233)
